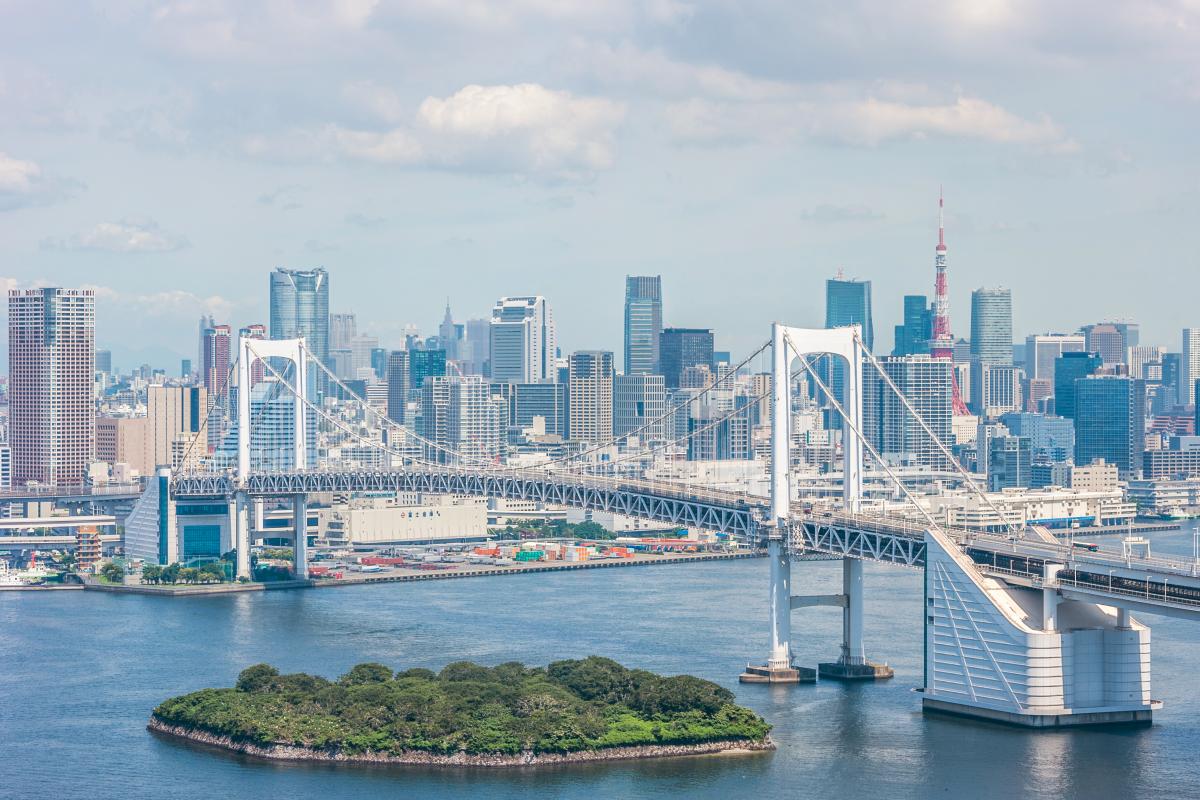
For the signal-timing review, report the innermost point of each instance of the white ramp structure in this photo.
(1025, 656)
(788, 344)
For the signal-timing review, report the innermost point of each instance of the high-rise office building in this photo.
(643, 323)
(1042, 349)
(176, 431)
(124, 440)
(680, 348)
(1172, 374)
(529, 400)
(342, 330)
(254, 331)
(913, 335)
(995, 388)
(185, 368)
(640, 401)
(398, 384)
(1009, 462)
(214, 369)
(848, 302)
(51, 372)
(590, 396)
(899, 437)
(475, 350)
(991, 326)
(1140, 356)
(1052, 438)
(424, 364)
(104, 361)
(1189, 365)
(1068, 368)
(300, 308)
(460, 416)
(1108, 340)
(523, 343)
(1110, 422)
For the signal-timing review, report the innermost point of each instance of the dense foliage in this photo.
(588, 704)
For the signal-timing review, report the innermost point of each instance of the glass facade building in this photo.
(848, 302)
(1068, 368)
(1110, 422)
(991, 326)
(680, 348)
(891, 428)
(643, 323)
(300, 309)
(912, 337)
(640, 400)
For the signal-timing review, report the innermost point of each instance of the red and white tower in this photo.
(942, 345)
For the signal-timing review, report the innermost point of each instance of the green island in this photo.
(592, 709)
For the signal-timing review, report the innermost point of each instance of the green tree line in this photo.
(587, 704)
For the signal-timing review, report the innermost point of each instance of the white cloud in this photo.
(23, 183)
(867, 122)
(121, 237)
(524, 129)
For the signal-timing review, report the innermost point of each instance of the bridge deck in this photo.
(1155, 581)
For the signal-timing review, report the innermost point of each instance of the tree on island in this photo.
(571, 706)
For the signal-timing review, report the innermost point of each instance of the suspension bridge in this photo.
(1019, 627)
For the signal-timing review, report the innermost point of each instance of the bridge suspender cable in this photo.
(936, 440)
(857, 432)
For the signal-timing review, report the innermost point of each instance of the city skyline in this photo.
(640, 141)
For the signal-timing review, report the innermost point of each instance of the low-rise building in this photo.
(378, 521)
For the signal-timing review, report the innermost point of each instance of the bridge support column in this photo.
(779, 667)
(300, 537)
(239, 532)
(852, 664)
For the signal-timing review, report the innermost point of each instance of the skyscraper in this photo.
(475, 350)
(300, 308)
(255, 331)
(680, 348)
(590, 396)
(1068, 368)
(643, 324)
(51, 369)
(991, 326)
(928, 384)
(995, 388)
(176, 433)
(460, 415)
(1042, 349)
(1107, 339)
(214, 368)
(523, 341)
(1189, 366)
(423, 364)
(1110, 422)
(640, 400)
(848, 302)
(342, 330)
(397, 385)
(913, 335)
(529, 400)
(104, 361)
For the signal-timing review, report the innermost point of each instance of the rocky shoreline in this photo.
(281, 752)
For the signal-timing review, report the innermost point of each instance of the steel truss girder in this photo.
(686, 513)
(812, 535)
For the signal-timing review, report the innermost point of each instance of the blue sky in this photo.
(172, 153)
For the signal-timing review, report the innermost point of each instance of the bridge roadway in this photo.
(1153, 584)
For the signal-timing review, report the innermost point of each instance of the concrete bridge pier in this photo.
(779, 668)
(300, 536)
(852, 663)
(239, 533)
